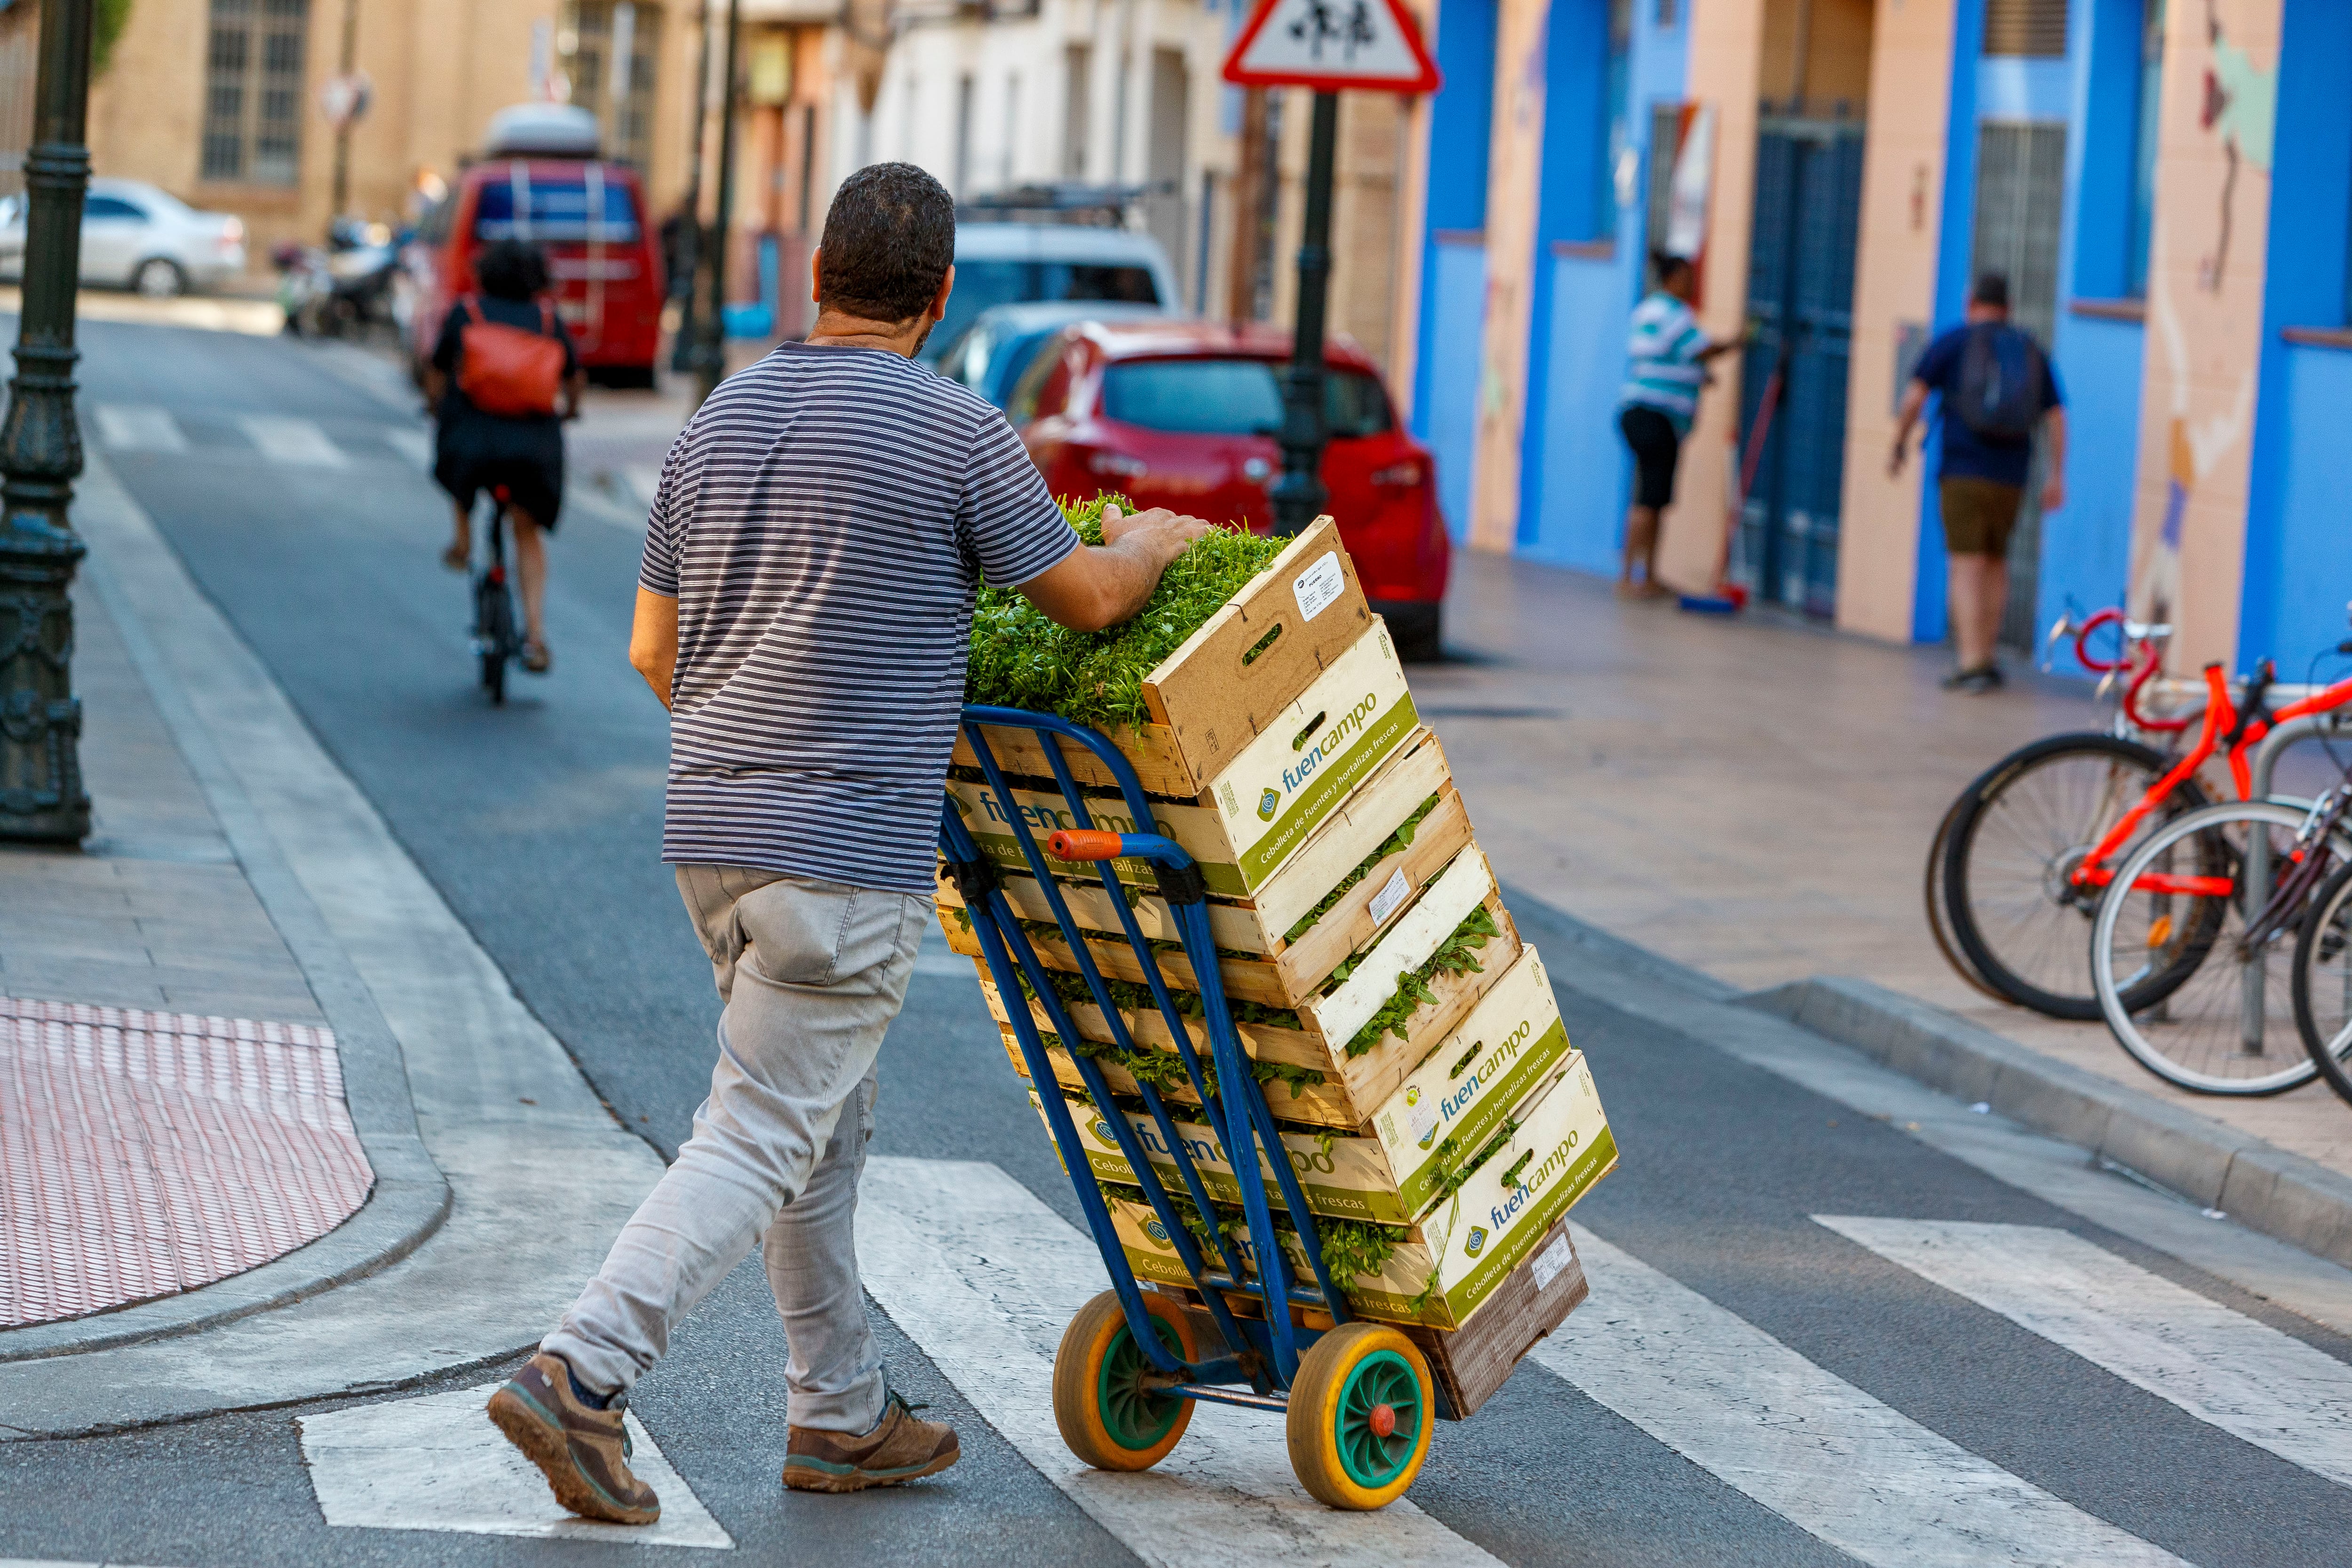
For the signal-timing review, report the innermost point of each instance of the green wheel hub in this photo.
(1382, 1381)
(1135, 1417)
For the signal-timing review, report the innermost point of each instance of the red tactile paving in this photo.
(145, 1153)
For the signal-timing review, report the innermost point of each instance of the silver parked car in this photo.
(134, 236)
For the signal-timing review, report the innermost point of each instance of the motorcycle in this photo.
(344, 288)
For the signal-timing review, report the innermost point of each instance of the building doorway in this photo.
(2021, 203)
(1800, 299)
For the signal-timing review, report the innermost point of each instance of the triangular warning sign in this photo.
(1332, 44)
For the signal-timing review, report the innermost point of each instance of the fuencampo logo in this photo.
(1531, 1183)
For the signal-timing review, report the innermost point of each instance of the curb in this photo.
(410, 1197)
(2283, 1194)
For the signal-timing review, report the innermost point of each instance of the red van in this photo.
(590, 217)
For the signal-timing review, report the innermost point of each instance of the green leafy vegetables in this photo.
(1455, 955)
(1022, 659)
(1401, 839)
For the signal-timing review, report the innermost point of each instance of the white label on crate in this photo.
(1385, 902)
(1551, 1261)
(1319, 584)
(1421, 1111)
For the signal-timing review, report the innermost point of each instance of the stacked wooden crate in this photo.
(1408, 1040)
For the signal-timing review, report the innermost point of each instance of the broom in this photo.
(1729, 597)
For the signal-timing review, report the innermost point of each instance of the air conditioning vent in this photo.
(2034, 28)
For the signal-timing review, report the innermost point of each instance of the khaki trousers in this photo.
(812, 972)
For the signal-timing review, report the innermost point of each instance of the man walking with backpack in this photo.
(1997, 388)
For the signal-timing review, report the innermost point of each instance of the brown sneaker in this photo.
(583, 1451)
(899, 1449)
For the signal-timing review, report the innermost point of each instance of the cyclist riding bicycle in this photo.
(502, 366)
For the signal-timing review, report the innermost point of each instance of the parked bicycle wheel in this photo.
(1939, 921)
(2017, 835)
(2323, 981)
(2222, 1025)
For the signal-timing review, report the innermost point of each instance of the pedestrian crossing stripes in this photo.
(1803, 1442)
(436, 1463)
(296, 442)
(2247, 1378)
(984, 1277)
(287, 440)
(135, 430)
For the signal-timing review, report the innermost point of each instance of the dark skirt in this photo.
(473, 452)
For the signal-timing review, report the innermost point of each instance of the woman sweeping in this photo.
(501, 367)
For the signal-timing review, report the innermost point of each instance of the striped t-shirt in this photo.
(823, 523)
(1666, 373)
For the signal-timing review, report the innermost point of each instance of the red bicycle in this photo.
(2016, 873)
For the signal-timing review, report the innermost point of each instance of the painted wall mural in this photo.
(2204, 307)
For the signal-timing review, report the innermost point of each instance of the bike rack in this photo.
(2335, 722)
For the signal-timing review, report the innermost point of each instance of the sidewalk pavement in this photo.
(1753, 798)
(236, 870)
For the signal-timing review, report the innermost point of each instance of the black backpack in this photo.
(2002, 376)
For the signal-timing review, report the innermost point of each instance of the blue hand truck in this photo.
(1357, 1399)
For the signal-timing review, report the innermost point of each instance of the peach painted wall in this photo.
(1412, 203)
(1514, 176)
(1894, 282)
(1726, 55)
(2204, 322)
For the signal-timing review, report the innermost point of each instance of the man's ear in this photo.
(817, 277)
(939, 310)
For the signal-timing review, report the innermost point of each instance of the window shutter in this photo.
(2034, 28)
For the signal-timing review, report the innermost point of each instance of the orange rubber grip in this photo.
(1083, 843)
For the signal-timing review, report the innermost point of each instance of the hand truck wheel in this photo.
(1362, 1410)
(1107, 1417)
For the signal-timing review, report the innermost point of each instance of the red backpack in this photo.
(510, 372)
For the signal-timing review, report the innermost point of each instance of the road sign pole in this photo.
(1327, 46)
(1299, 495)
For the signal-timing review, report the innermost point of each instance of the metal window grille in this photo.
(253, 91)
(2021, 203)
(610, 50)
(2034, 28)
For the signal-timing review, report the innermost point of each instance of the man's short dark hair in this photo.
(1667, 265)
(511, 269)
(1991, 290)
(889, 239)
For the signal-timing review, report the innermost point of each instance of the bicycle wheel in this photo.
(2018, 833)
(2222, 1026)
(493, 637)
(1939, 901)
(2323, 981)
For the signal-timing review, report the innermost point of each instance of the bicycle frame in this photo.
(2223, 726)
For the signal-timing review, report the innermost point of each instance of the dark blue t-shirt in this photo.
(1966, 454)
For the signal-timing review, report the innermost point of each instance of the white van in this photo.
(1009, 263)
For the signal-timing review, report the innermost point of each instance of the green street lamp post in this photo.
(41, 794)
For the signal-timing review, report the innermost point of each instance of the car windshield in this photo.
(553, 211)
(980, 283)
(1233, 397)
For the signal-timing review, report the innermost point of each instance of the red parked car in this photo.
(1181, 415)
(541, 181)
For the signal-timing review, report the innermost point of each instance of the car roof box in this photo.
(541, 131)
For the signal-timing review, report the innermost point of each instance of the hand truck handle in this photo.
(1085, 844)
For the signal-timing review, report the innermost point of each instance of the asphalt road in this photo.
(540, 823)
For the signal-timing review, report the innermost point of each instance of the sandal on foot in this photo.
(455, 558)
(536, 658)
